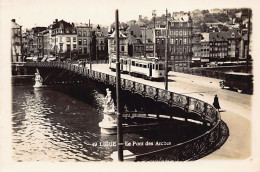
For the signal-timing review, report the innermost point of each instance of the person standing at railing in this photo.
(216, 103)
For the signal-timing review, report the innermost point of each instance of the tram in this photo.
(148, 68)
(242, 82)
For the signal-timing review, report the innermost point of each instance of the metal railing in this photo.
(206, 111)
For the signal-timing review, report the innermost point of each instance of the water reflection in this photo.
(50, 125)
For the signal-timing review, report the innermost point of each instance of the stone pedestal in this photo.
(109, 123)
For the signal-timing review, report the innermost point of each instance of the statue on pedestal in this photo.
(109, 123)
(38, 79)
(109, 106)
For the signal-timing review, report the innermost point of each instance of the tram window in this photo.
(125, 62)
(133, 63)
(156, 66)
(153, 66)
(144, 66)
(141, 65)
(160, 67)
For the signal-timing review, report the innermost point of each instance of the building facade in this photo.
(63, 40)
(101, 48)
(84, 35)
(180, 41)
(16, 42)
(123, 42)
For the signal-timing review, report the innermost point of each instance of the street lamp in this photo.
(154, 17)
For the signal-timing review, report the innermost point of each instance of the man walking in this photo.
(216, 103)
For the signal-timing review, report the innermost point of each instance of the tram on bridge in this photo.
(148, 68)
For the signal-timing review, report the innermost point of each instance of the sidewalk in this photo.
(238, 120)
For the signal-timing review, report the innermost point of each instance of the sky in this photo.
(30, 13)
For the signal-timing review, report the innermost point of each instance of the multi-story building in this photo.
(25, 45)
(135, 44)
(180, 41)
(46, 42)
(16, 42)
(101, 48)
(64, 40)
(84, 34)
(205, 49)
(123, 42)
(160, 42)
(147, 39)
(234, 44)
(218, 46)
(33, 39)
(196, 49)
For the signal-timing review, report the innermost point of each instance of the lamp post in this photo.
(118, 94)
(166, 53)
(154, 16)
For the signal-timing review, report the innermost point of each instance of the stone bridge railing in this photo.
(188, 150)
(189, 104)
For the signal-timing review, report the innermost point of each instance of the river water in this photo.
(51, 125)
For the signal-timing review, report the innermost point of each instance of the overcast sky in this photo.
(30, 13)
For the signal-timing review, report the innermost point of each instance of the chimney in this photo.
(13, 20)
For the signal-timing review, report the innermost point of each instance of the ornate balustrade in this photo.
(189, 104)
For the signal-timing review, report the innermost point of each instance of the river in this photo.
(52, 125)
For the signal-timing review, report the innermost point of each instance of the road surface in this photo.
(235, 111)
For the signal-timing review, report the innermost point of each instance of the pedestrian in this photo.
(216, 103)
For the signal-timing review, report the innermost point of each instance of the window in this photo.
(180, 33)
(68, 48)
(122, 48)
(180, 42)
(80, 42)
(163, 32)
(85, 50)
(84, 33)
(162, 41)
(68, 39)
(61, 47)
(133, 63)
(79, 33)
(184, 41)
(74, 46)
(84, 42)
(176, 41)
(161, 67)
(74, 39)
(158, 41)
(80, 50)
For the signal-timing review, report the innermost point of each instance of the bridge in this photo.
(195, 110)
